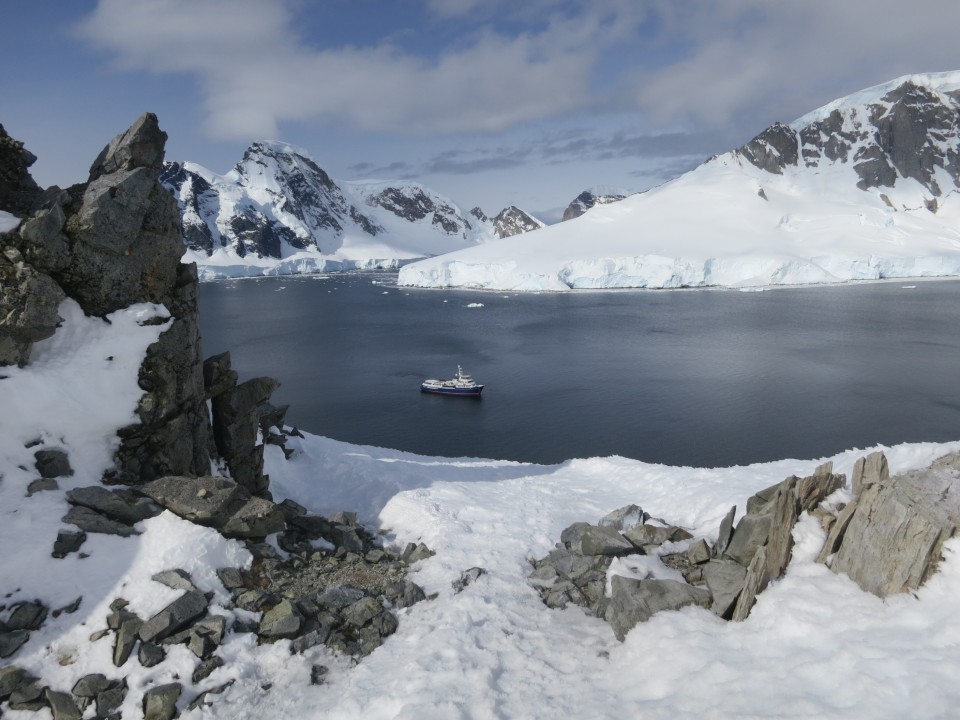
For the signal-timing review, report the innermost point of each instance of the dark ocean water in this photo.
(701, 378)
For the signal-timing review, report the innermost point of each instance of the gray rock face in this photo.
(219, 503)
(174, 617)
(18, 191)
(121, 506)
(910, 133)
(896, 529)
(29, 301)
(160, 703)
(586, 539)
(634, 601)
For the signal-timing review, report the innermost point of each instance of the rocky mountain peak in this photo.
(905, 130)
(514, 221)
(17, 188)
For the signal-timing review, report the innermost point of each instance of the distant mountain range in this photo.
(865, 187)
(278, 212)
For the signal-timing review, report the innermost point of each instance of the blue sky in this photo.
(491, 102)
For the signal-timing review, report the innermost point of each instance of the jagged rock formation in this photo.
(889, 539)
(514, 221)
(908, 133)
(586, 200)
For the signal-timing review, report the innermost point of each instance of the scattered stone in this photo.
(414, 553)
(699, 552)
(318, 674)
(175, 579)
(89, 686)
(174, 617)
(27, 616)
(126, 639)
(93, 522)
(62, 705)
(68, 542)
(69, 609)
(160, 703)
(150, 654)
(12, 677)
(202, 700)
(586, 539)
(362, 611)
(634, 601)
(206, 668)
(52, 463)
(340, 596)
(281, 621)
(12, 641)
(120, 505)
(110, 699)
(28, 697)
(231, 578)
(42, 485)
(466, 578)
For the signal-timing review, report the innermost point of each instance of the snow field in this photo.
(814, 646)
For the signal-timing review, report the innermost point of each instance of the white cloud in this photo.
(256, 73)
(693, 62)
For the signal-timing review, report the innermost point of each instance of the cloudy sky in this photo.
(491, 102)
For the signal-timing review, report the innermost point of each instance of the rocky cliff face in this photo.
(906, 132)
(107, 244)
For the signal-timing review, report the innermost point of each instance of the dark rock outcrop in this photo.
(514, 221)
(586, 200)
(908, 133)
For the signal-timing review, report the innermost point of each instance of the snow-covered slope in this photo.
(278, 212)
(864, 188)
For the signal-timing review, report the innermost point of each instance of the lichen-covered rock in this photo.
(895, 532)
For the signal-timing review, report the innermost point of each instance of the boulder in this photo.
(93, 522)
(467, 577)
(150, 654)
(217, 502)
(27, 616)
(52, 463)
(176, 616)
(119, 505)
(62, 705)
(585, 539)
(126, 638)
(281, 621)
(726, 532)
(89, 686)
(12, 677)
(175, 580)
(42, 485)
(633, 601)
(623, 518)
(160, 703)
(896, 530)
(29, 304)
(643, 536)
(724, 578)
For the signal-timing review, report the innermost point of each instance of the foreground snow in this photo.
(814, 646)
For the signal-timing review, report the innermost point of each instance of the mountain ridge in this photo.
(278, 212)
(864, 187)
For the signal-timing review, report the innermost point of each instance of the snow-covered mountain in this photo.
(278, 212)
(865, 187)
(587, 199)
